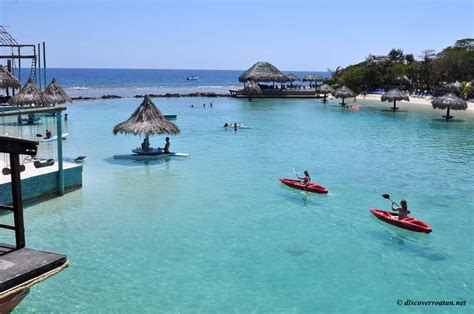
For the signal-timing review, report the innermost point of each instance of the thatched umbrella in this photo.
(147, 120)
(449, 101)
(7, 79)
(252, 88)
(29, 95)
(344, 92)
(312, 78)
(394, 95)
(57, 93)
(292, 77)
(263, 72)
(326, 89)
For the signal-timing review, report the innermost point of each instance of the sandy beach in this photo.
(413, 100)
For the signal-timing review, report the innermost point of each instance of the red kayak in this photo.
(310, 187)
(408, 223)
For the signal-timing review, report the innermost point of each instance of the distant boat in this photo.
(192, 78)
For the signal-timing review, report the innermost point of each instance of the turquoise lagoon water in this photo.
(217, 232)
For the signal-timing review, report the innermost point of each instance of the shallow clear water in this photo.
(217, 232)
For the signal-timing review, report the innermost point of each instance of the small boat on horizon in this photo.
(192, 78)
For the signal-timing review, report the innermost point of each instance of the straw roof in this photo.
(395, 94)
(449, 100)
(253, 88)
(29, 95)
(57, 93)
(293, 77)
(326, 89)
(7, 79)
(263, 72)
(344, 92)
(147, 120)
(312, 78)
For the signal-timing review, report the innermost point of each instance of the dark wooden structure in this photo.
(20, 267)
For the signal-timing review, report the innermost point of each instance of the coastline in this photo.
(413, 100)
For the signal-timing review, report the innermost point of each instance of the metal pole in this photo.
(39, 66)
(59, 132)
(36, 63)
(17, 201)
(44, 62)
(9, 68)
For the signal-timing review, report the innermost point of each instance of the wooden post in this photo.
(17, 200)
(59, 132)
(44, 63)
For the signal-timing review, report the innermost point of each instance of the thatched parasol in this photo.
(252, 88)
(325, 89)
(7, 79)
(293, 77)
(394, 95)
(147, 120)
(312, 78)
(344, 92)
(263, 72)
(29, 95)
(57, 93)
(449, 101)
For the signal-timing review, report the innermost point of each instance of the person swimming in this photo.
(226, 125)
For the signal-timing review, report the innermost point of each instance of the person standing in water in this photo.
(402, 210)
(166, 149)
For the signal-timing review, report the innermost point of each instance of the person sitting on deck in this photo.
(306, 179)
(49, 134)
(402, 210)
(146, 144)
(166, 149)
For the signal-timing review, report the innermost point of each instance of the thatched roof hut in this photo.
(293, 77)
(57, 93)
(394, 95)
(30, 95)
(449, 101)
(7, 79)
(344, 92)
(147, 120)
(263, 72)
(312, 78)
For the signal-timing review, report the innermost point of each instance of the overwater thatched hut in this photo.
(30, 95)
(263, 72)
(449, 101)
(394, 95)
(57, 93)
(344, 92)
(147, 120)
(325, 89)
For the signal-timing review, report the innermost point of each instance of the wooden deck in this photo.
(277, 93)
(18, 267)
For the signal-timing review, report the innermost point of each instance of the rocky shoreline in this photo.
(167, 95)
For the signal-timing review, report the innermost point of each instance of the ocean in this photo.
(130, 82)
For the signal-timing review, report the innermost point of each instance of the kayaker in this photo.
(166, 149)
(402, 210)
(306, 179)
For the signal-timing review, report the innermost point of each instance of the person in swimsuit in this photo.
(166, 149)
(306, 179)
(402, 210)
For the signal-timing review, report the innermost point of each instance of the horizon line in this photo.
(110, 68)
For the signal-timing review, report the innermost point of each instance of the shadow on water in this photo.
(299, 198)
(137, 163)
(447, 122)
(407, 241)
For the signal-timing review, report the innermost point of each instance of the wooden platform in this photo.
(17, 267)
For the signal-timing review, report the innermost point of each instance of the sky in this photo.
(298, 35)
